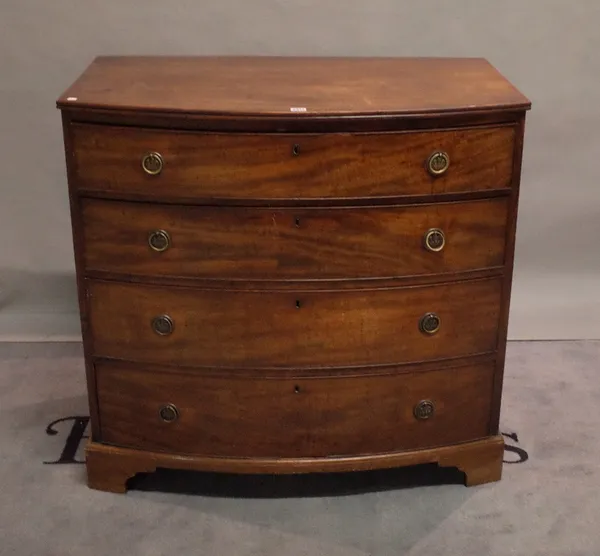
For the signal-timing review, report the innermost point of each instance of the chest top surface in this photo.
(296, 86)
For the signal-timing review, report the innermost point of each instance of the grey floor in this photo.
(548, 505)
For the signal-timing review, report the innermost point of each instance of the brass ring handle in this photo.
(168, 413)
(434, 240)
(159, 240)
(424, 410)
(438, 163)
(152, 163)
(163, 325)
(429, 323)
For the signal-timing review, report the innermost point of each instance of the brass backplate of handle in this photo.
(429, 323)
(159, 240)
(163, 325)
(168, 413)
(434, 240)
(152, 163)
(424, 410)
(438, 163)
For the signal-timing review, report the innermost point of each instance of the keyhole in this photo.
(296, 149)
(296, 389)
(298, 304)
(297, 222)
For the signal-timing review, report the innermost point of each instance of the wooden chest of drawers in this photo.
(293, 265)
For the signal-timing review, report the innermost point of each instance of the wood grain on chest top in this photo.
(274, 85)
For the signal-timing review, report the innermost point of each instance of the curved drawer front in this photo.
(201, 166)
(185, 326)
(280, 244)
(288, 417)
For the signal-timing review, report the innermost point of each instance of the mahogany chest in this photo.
(291, 265)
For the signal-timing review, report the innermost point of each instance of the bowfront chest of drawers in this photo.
(292, 265)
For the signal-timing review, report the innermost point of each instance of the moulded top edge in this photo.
(292, 87)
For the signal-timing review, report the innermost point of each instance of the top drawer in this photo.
(209, 166)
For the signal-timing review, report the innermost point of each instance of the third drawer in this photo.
(293, 329)
(299, 243)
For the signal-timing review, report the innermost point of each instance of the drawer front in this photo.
(287, 417)
(280, 244)
(292, 329)
(203, 166)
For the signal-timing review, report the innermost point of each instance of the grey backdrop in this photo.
(547, 48)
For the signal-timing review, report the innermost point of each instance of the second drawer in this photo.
(300, 243)
(186, 326)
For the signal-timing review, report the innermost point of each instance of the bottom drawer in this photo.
(240, 416)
